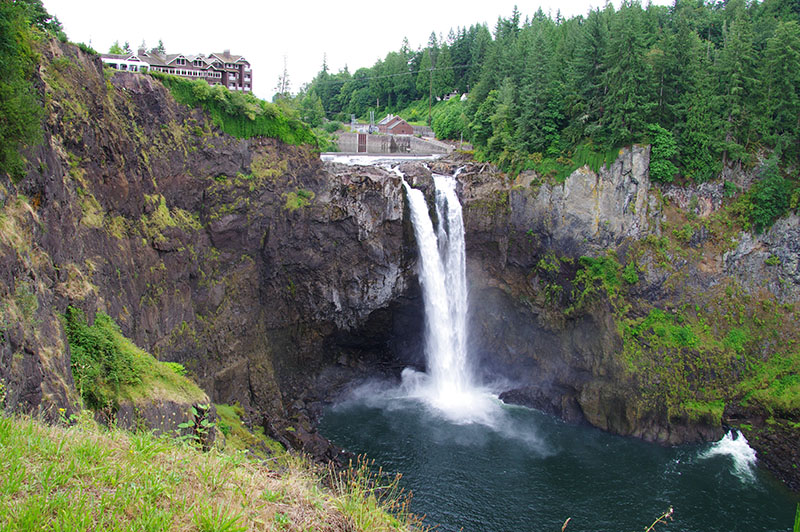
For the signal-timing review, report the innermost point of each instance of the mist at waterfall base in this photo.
(476, 464)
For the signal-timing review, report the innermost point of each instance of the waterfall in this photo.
(448, 384)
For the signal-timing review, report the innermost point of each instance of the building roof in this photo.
(122, 57)
(399, 122)
(227, 57)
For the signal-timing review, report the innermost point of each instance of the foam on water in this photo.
(735, 446)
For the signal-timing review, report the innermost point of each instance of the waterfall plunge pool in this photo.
(528, 471)
(475, 464)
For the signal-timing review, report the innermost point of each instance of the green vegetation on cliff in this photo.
(239, 114)
(109, 368)
(693, 352)
(20, 110)
(85, 477)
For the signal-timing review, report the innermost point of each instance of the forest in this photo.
(711, 85)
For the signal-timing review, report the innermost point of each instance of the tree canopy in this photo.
(718, 83)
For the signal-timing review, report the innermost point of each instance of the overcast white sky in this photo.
(354, 33)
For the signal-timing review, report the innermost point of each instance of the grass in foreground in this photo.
(88, 478)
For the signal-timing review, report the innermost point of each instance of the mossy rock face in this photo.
(240, 259)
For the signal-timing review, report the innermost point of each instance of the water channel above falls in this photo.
(475, 464)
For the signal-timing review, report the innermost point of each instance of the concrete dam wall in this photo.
(349, 143)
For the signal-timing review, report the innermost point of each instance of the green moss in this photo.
(92, 213)
(775, 383)
(298, 199)
(495, 204)
(239, 438)
(709, 411)
(161, 217)
(266, 167)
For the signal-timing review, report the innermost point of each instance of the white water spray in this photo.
(448, 386)
(735, 445)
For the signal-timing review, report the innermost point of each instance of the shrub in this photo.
(238, 114)
(664, 149)
(332, 127)
(595, 276)
(769, 198)
(85, 48)
(631, 273)
(101, 360)
(298, 199)
(449, 120)
(20, 110)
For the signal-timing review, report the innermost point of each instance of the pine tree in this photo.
(530, 133)
(630, 97)
(311, 110)
(588, 76)
(698, 151)
(443, 73)
(781, 71)
(735, 70)
(425, 73)
(683, 51)
(500, 144)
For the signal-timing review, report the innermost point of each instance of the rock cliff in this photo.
(245, 260)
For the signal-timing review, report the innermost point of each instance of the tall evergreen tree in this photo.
(443, 79)
(630, 97)
(735, 70)
(781, 102)
(588, 75)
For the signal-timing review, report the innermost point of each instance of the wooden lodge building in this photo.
(232, 71)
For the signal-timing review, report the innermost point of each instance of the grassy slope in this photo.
(87, 478)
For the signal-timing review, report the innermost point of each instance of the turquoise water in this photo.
(530, 472)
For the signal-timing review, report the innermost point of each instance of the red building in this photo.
(232, 71)
(395, 125)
